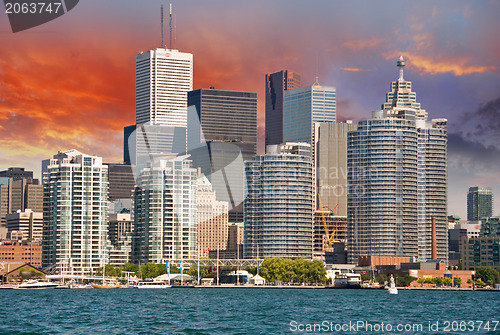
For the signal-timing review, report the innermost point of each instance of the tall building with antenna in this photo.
(164, 76)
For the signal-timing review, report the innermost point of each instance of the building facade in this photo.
(331, 164)
(222, 133)
(276, 85)
(479, 203)
(303, 107)
(75, 212)
(212, 217)
(280, 203)
(26, 224)
(165, 212)
(397, 180)
(121, 181)
(163, 78)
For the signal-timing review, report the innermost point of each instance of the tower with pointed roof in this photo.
(397, 180)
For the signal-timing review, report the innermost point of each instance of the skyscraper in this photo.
(280, 203)
(331, 164)
(165, 211)
(276, 85)
(163, 78)
(397, 180)
(225, 125)
(303, 107)
(75, 210)
(121, 181)
(479, 203)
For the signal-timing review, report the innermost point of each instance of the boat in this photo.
(392, 286)
(106, 285)
(152, 284)
(35, 284)
(347, 280)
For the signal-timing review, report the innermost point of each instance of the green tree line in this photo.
(297, 271)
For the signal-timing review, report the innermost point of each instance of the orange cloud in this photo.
(457, 65)
(353, 69)
(363, 44)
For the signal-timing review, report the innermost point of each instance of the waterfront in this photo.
(235, 311)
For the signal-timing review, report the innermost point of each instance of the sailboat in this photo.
(105, 284)
(392, 286)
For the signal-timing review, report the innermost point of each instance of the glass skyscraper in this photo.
(479, 203)
(276, 85)
(303, 107)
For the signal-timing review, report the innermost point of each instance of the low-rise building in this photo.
(21, 252)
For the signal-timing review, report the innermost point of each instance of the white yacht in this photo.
(35, 284)
(152, 284)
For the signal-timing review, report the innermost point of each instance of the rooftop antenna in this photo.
(162, 45)
(401, 64)
(316, 83)
(170, 26)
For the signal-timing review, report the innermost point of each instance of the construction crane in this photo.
(329, 238)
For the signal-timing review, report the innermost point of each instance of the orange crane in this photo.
(329, 238)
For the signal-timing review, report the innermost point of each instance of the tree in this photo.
(365, 277)
(469, 281)
(479, 282)
(438, 281)
(488, 274)
(458, 281)
(447, 281)
(421, 281)
(404, 281)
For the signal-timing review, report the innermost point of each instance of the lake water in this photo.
(247, 311)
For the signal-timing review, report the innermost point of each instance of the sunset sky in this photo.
(70, 82)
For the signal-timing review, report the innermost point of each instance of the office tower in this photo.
(75, 212)
(331, 164)
(397, 180)
(121, 181)
(163, 78)
(280, 203)
(145, 143)
(27, 224)
(212, 218)
(16, 173)
(479, 203)
(303, 107)
(25, 194)
(165, 211)
(20, 193)
(222, 132)
(276, 85)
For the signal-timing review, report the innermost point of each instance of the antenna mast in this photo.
(170, 26)
(162, 26)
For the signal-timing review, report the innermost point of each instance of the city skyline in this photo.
(450, 48)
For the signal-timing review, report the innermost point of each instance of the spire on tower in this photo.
(401, 64)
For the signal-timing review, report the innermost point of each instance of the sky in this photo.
(70, 83)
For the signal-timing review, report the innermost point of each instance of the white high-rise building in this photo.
(75, 210)
(163, 78)
(165, 211)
